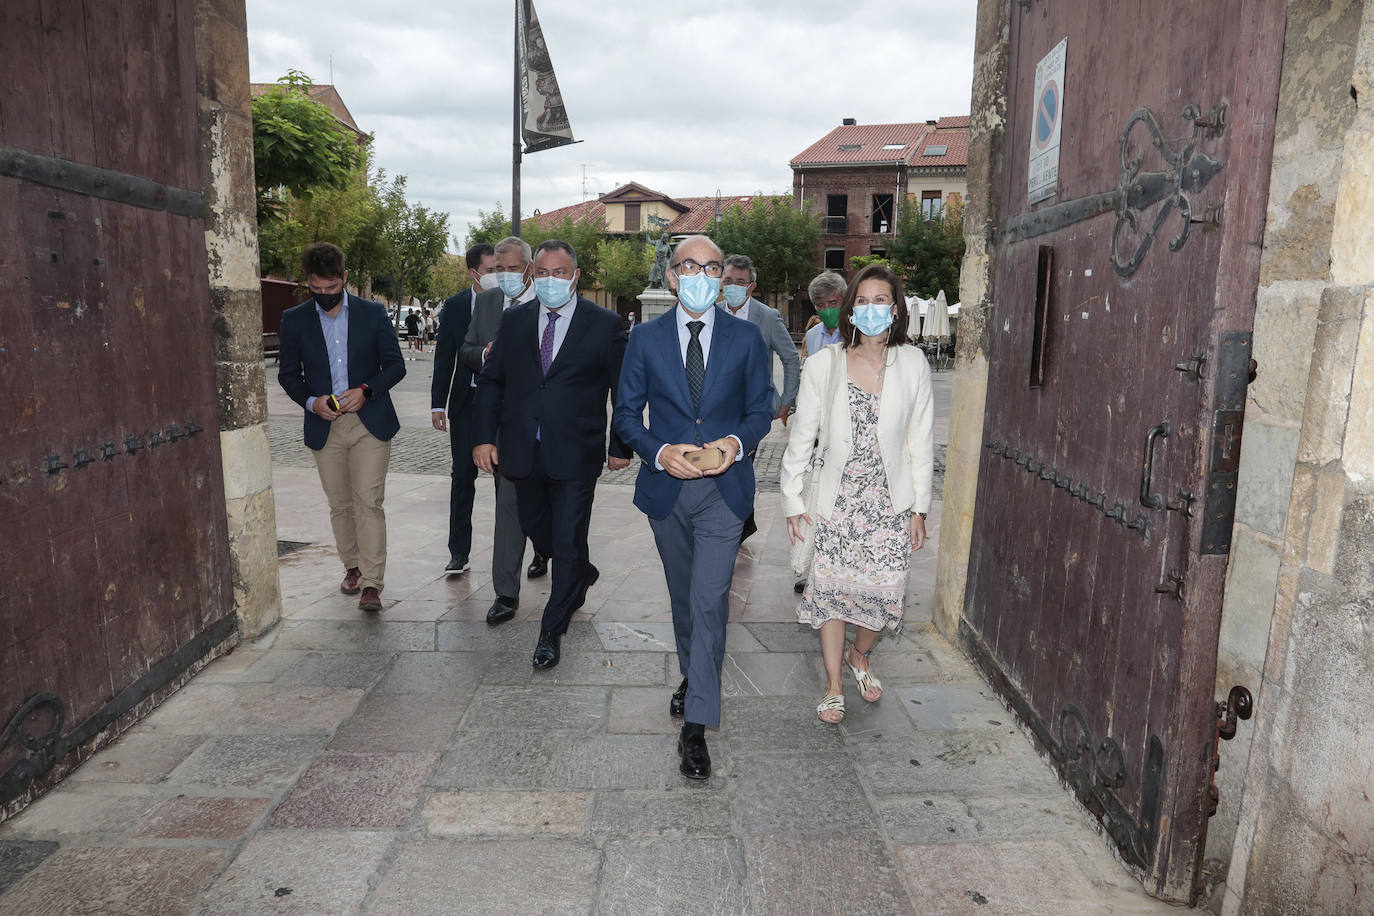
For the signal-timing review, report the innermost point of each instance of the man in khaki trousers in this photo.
(339, 360)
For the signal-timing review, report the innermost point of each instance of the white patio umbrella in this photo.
(937, 322)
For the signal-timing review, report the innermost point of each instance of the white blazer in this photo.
(906, 437)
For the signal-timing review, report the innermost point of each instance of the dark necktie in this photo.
(546, 344)
(696, 363)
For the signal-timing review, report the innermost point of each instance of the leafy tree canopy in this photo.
(298, 145)
(624, 266)
(929, 251)
(783, 242)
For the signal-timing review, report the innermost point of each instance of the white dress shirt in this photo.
(560, 328)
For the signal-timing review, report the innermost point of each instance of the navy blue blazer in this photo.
(452, 385)
(567, 407)
(374, 359)
(736, 399)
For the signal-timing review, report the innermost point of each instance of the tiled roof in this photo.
(589, 211)
(699, 216)
(955, 140)
(863, 143)
(702, 212)
(953, 121)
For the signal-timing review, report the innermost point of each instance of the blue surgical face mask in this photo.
(872, 320)
(698, 292)
(553, 292)
(735, 296)
(512, 284)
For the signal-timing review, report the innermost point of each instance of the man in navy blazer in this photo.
(542, 396)
(451, 403)
(704, 375)
(339, 360)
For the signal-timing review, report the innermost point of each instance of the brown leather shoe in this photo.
(349, 586)
(371, 600)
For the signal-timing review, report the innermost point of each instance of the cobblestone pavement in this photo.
(413, 762)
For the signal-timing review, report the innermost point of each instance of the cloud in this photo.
(685, 101)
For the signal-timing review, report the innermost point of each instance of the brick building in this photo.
(856, 176)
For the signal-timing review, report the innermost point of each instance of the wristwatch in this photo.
(367, 392)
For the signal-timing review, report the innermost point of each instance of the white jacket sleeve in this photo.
(920, 438)
(802, 430)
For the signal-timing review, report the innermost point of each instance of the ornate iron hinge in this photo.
(1189, 172)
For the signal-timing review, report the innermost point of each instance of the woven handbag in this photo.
(804, 551)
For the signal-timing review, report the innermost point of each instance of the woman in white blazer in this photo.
(868, 400)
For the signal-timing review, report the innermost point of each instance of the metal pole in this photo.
(515, 143)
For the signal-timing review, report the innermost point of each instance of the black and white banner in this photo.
(543, 120)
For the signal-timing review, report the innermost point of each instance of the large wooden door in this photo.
(114, 572)
(1118, 358)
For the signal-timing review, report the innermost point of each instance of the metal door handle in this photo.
(1147, 466)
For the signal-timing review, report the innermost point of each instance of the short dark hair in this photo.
(477, 252)
(896, 335)
(743, 262)
(322, 260)
(555, 245)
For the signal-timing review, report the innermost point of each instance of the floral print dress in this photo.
(864, 548)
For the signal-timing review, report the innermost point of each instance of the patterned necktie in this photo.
(696, 363)
(546, 343)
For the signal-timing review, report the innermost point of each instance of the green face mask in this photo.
(829, 317)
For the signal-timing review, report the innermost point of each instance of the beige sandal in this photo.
(867, 680)
(831, 702)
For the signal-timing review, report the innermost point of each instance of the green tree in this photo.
(929, 251)
(585, 237)
(338, 215)
(449, 276)
(412, 241)
(623, 266)
(298, 146)
(860, 261)
(783, 242)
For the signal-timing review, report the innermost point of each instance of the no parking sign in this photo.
(1042, 179)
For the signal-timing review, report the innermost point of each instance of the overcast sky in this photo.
(686, 103)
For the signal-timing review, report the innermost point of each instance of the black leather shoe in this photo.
(696, 761)
(679, 701)
(748, 529)
(799, 586)
(546, 652)
(538, 566)
(502, 609)
(587, 582)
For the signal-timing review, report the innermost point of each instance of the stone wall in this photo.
(231, 241)
(976, 293)
(1298, 623)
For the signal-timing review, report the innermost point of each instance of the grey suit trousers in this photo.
(698, 543)
(508, 541)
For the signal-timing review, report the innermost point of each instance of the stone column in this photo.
(231, 242)
(1302, 571)
(977, 295)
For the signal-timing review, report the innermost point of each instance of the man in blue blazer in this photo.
(704, 375)
(451, 403)
(542, 396)
(339, 360)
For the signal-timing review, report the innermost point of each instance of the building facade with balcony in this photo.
(857, 175)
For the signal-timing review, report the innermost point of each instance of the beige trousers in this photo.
(352, 468)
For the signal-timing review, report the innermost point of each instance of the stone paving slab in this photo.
(19, 857)
(299, 872)
(343, 790)
(250, 762)
(850, 873)
(477, 813)
(544, 876)
(673, 877)
(112, 881)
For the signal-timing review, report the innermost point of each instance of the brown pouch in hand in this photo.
(705, 459)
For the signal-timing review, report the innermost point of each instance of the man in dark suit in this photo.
(339, 360)
(515, 286)
(451, 403)
(542, 395)
(704, 375)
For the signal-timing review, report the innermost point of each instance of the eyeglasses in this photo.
(736, 282)
(689, 268)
